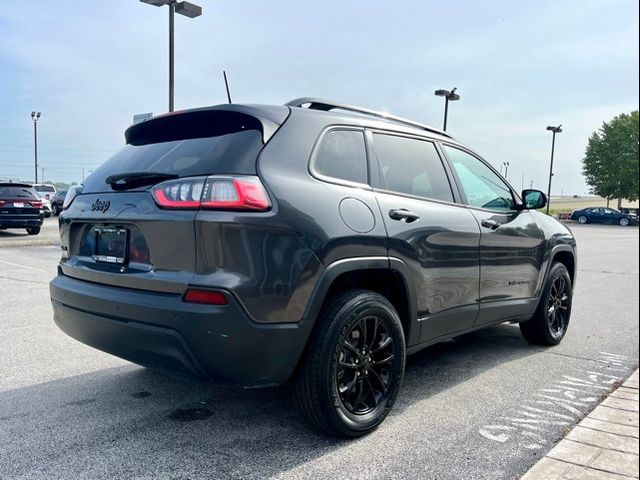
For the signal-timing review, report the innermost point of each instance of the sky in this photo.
(518, 66)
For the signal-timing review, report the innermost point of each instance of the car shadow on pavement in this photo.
(128, 421)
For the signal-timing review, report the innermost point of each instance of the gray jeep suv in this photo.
(314, 243)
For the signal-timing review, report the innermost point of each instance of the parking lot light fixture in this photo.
(555, 130)
(35, 116)
(449, 96)
(186, 9)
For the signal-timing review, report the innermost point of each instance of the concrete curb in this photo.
(604, 445)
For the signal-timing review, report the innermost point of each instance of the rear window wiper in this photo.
(126, 181)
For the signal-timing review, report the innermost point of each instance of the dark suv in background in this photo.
(314, 243)
(20, 207)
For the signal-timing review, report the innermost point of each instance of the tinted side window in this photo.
(484, 189)
(341, 154)
(411, 166)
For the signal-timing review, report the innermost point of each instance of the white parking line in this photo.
(23, 266)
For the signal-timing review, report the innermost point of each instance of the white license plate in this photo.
(18, 204)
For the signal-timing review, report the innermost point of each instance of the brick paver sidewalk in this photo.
(604, 445)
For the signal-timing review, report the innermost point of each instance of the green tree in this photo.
(611, 162)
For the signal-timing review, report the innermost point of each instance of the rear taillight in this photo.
(209, 297)
(2, 202)
(36, 203)
(213, 193)
(72, 193)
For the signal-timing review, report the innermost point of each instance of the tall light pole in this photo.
(449, 96)
(555, 130)
(35, 116)
(183, 8)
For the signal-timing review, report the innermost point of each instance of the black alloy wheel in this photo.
(550, 321)
(364, 365)
(558, 307)
(351, 373)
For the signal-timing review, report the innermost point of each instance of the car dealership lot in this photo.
(486, 405)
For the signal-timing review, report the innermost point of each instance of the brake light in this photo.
(242, 193)
(213, 193)
(35, 203)
(2, 202)
(208, 297)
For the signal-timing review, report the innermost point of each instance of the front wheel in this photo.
(582, 219)
(550, 321)
(624, 222)
(352, 370)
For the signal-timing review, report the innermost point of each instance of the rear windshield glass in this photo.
(230, 147)
(44, 188)
(16, 192)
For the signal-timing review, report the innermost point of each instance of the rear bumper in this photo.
(16, 221)
(159, 330)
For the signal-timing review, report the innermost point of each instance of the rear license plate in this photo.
(18, 204)
(111, 245)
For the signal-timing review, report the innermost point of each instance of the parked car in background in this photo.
(257, 245)
(630, 211)
(57, 201)
(603, 215)
(46, 192)
(20, 207)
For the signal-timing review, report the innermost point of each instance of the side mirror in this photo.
(533, 199)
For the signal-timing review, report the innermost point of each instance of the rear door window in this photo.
(341, 154)
(411, 166)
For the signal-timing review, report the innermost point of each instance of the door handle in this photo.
(403, 214)
(492, 224)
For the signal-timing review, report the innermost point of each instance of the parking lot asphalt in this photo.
(483, 406)
(19, 237)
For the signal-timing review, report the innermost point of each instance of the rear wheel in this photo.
(551, 319)
(54, 209)
(351, 373)
(33, 230)
(582, 219)
(624, 222)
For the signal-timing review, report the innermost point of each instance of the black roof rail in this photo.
(328, 105)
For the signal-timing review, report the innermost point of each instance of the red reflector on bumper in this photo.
(205, 296)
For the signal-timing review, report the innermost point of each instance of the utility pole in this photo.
(555, 130)
(35, 116)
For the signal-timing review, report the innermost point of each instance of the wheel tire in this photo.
(582, 219)
(322, 373)
(624, 222)
(54, 210)
(549, 323)
(33, 230)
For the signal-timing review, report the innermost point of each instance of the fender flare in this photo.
(332, 271)
(563, 247)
